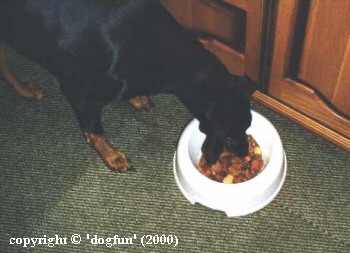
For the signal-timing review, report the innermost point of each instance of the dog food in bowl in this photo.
(231, 168)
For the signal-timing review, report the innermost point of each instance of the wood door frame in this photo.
(254, 38)
(302, 120)
(304, 102)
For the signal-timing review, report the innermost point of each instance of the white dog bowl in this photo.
(234, 199)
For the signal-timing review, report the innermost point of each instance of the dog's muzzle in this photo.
(240, 147)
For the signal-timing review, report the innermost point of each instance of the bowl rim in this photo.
(229, 212)
(258, 179)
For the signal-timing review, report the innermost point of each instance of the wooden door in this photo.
(310, 69)
(231, 29)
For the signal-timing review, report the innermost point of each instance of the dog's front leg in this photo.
(90, 123)
(87, 103)
(89, 117)
(114, 159)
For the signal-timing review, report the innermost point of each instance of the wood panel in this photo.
(254, 31)
(288, 89)
(181, 10)
(233, 60)
(342, 90)
(232, 29)
(242, 4)
(307, 101)
(223, 22)
(326, 42)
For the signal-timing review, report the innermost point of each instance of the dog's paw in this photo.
(116, 161)
(142, 103)
(37, 92)
(32, 90)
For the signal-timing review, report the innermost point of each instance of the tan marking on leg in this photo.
(141, 103)
(30, 90)
(115, 160)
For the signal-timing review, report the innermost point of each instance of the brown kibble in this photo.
(231, 167)
(239, 179)
(256, 164)
(247, 174)
(234, 171)
(202, 163)
(225, 161)
(219, 178)
(206, 173)
(216, 168)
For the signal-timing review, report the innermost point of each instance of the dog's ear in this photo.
(245, 84)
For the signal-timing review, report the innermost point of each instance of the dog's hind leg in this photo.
(141, 103)
(25, 90)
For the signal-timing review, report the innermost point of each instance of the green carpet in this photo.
(51, 183)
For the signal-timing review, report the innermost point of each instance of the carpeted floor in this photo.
(52, 183)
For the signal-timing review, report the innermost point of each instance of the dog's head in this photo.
(226, 120)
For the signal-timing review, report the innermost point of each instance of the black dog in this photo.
(101, 50)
